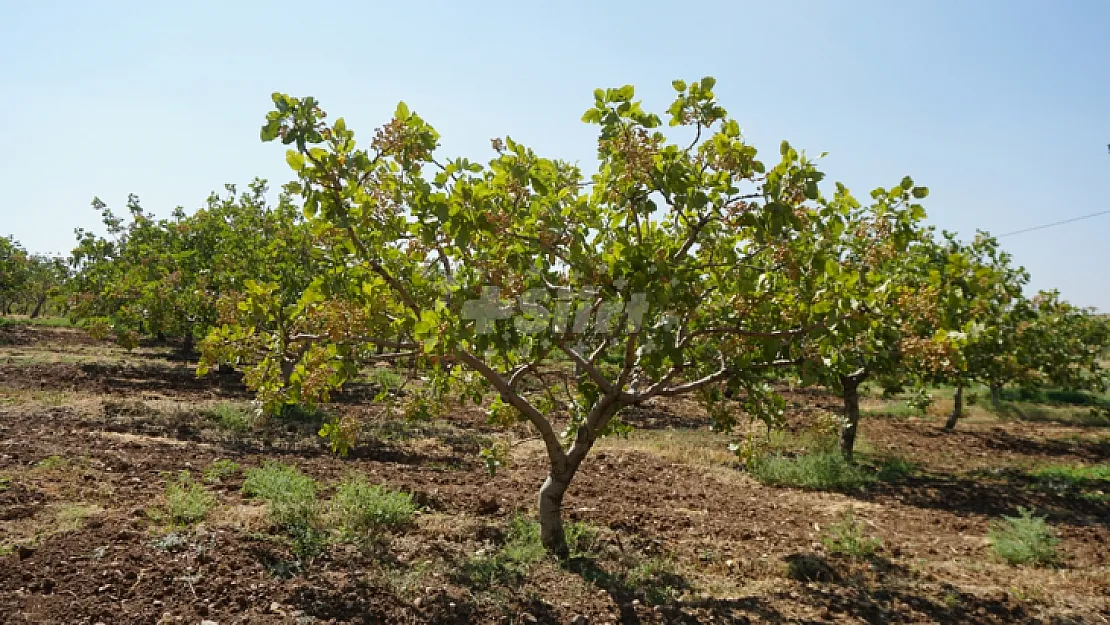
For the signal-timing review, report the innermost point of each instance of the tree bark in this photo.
(957, 408)
(996, 396)
(850, 426)
(187, 347)
(38, 307)
(551, 513)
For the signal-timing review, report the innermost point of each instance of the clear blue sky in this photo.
(1001, 107)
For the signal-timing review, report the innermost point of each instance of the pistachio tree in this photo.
(1052, 344)
(680, 262)
(898, 335)
(980, 289)
(165, 277)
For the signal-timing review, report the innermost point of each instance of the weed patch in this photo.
(291, 504)
(232, 417)
(186, 501)
(1024, 539)
(219, 470)
(364, 511)
(823, 470)
(849, 537)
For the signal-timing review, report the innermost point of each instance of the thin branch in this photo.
(590, 369)
(551, 440)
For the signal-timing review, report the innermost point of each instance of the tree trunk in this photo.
(957, 409)
(848, 429)
(551, 514)
(38, 307)
(996, 396)
(187, 347)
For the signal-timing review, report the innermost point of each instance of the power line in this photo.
(1055, 223)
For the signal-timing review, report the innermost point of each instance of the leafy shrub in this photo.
(1024, 539)
(341, 433)
(822, 470)
(849, 537)
(920, 400)
(215, 472)
(186, 501)
(290, 495)
(362, 510)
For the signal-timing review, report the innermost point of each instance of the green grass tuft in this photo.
(290, 495)
(215, 472)
(363, 510)
(291, 504)
(186, 501)
(522, 549)
(849, 537)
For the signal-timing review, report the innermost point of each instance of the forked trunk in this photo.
(562, 470)
(957, 409)
(850, 426)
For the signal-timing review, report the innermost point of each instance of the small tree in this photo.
(676, 266)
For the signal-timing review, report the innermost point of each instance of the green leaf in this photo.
(920, 192)
(295, 159)
(679, 85)
(311, 207)
(270, 130)
(402, 111)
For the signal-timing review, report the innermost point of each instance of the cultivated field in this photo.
(122, 500)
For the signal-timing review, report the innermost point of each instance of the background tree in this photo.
(899, 336)
(165, 277)
(677, 265)
(13, 273)
(978, 288)
(1061, 346)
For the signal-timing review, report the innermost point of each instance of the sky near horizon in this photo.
(1001, 108)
